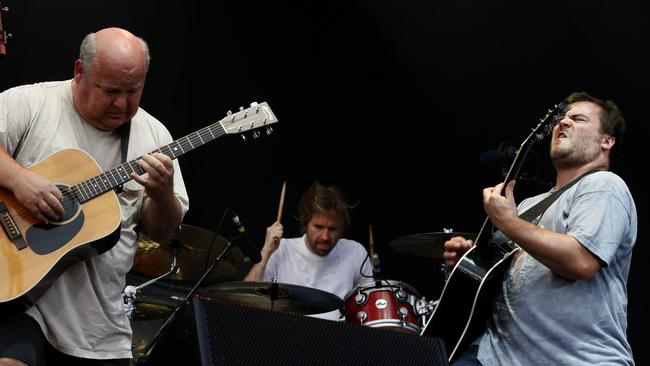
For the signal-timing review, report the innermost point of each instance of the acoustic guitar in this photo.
(33, 254)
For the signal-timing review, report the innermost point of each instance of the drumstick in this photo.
(280, 207)
(284, 188)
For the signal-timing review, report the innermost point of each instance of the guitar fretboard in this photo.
(121, 174)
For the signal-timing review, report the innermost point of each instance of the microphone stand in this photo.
(168, 321)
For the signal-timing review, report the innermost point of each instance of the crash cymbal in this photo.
(274, 296)
(190, 246)
(427, 245)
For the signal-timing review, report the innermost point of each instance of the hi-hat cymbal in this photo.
(274, 296)
(189, 246)
(427, 245)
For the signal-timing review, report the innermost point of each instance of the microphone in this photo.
(505, 153)
(244, 243)
(376, 267)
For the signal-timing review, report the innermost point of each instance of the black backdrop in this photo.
(392, 101)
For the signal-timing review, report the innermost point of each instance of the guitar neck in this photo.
(121, 174)
(520, 158)
(542, 129)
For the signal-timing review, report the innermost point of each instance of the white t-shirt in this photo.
(82, 314)
(338, 273)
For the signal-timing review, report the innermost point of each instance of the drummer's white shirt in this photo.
(338, 273)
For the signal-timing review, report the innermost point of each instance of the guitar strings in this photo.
(89, 187)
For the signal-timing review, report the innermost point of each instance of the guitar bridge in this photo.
(10, 227)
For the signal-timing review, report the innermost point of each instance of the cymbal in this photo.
(150, 310)
(427, 245)
(274, 296)
(190, 245)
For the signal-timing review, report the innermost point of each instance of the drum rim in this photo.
(367, 285)
(393, 323)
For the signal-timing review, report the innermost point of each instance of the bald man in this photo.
(81, 317)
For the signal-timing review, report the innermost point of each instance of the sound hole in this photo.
(69, 203)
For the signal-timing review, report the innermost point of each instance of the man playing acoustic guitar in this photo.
(564, 299)
(80, 318)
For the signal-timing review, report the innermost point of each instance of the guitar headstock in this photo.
(546, 123)
(256, 116)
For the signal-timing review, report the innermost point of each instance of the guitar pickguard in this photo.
(46, 238)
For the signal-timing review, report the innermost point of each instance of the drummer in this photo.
(321, 258)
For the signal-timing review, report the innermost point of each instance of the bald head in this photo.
(113, 44)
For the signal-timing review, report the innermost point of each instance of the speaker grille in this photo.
(231, 334)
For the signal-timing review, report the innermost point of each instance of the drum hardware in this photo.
(361, 299)
(425, 308)
(130, 292)
(361, 316)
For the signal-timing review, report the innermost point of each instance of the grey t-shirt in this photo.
(82, 314)
(541, 318)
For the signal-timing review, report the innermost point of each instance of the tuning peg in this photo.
(241, 108)
(229, 113)
(269, 130)
(256, 134)
(254, 104)
(243, 137)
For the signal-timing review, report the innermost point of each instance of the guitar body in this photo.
(92, 228)
(465, 303)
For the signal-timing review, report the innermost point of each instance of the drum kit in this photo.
(379, 303)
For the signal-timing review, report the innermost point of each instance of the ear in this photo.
(78, 71)
(607, 141)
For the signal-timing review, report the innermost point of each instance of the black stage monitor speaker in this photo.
(209, 332)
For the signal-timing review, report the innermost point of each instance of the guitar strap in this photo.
(544, 204)
(125, 133)
(498, 238)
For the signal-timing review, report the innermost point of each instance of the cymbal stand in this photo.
(189, 295)
(130, 292)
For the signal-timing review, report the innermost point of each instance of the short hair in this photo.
(323, 199)
(88, 50)
(611, 120)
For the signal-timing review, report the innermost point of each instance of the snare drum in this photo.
(384, 304)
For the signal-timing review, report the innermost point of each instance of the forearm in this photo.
(160, 218)
(256, 273)
(561, 253)
(8, 169)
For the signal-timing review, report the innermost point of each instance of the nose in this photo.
(120, 102)
(325, 235)
(564, 122)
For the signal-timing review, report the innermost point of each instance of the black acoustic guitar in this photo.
(465, 302)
